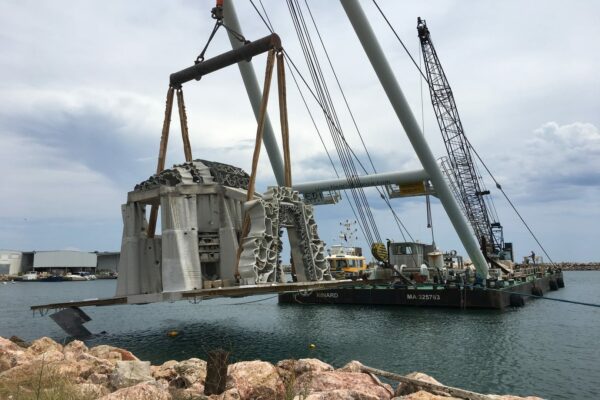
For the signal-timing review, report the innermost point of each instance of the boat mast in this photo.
(392, 89)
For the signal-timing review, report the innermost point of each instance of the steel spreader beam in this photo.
(244, 53)
(384, 72)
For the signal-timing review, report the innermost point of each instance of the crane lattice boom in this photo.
(467, 184)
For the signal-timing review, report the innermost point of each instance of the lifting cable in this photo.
(269, 26)
(323, 93)
(331, 120)
(382, 191)
(217, 14)
(498, 186)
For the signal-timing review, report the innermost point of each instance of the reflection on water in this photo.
(546, 348)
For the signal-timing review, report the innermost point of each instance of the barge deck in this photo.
(451, 296)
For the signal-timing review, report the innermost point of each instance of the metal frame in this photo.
(467, 184)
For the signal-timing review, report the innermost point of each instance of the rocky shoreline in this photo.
(48, 370)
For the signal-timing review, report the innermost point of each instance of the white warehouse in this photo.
(64, 260)
(13, 262)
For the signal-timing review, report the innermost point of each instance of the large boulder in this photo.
(194, 392)
(407, 388)
(88, 390)
(189, 372)
(88, 365)
(49, 357)
(361, 383)
(99, 379)
(352, 366)
(141, 391)
(74, 350)
(255, 379)
(338, 394)
(129, 373)
(423, 395)
(230, 394)
(290, 370)
(6, 344)
(42, 345)
(165, 371)
(303, 365)
(12, 355)
(112, 354)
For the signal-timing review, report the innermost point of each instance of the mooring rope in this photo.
(581, 303)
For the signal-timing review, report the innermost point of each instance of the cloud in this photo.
(558, 162)
(83, 103)
(41, 182)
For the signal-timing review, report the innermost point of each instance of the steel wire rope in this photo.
(325, 98)
(330, 124)
(581, 303)
(324, 146)
(291, 62)
(269, 26)
(398, 221)
(498, 186)
(337, 123)
(382, 190)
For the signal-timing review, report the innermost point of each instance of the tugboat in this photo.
(345, 260)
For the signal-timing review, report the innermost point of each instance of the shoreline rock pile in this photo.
(45, 369)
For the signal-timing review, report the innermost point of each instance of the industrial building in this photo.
(14, 262)
(108, 261)
(64, 261)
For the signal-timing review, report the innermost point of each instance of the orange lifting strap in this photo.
(274, 52)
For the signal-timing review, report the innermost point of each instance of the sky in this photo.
(83, 89)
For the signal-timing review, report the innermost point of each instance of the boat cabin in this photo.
(411, 254)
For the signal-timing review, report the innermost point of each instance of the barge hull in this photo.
(452, 297)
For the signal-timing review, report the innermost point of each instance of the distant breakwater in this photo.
(570, 266)
(573, 266)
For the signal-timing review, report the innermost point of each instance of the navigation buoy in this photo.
(173, 333)
(312, 346)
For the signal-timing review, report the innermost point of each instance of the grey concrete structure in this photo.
(201, 224)
(279, 208)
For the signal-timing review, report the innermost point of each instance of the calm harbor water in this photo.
(547, 348)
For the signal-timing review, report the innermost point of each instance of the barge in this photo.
(420, 275)
(425, 295)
